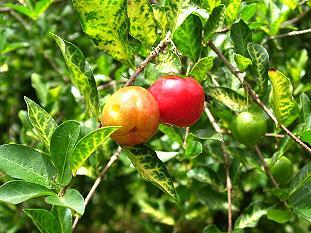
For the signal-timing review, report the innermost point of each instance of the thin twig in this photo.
(296, 19)
(161, 46)
(288, 34)
(100, 177)
(268, 172)
(227, 166)
(20, 19)
(255, 97)
(274, 135)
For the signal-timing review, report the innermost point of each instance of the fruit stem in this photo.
(227, 165)
(236, 72)
(160, 47)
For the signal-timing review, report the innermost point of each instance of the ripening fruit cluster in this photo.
(171, 100)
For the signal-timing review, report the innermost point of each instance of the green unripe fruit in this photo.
(248, 127)
(282, 171)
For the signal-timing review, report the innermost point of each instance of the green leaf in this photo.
(72, 199)
(192, 147)
(41, 87)
(88, 144)
(242, 62)
(306, 136)
(26, 163)
(190, 31)
(232, 11)
(151, 168)
(62, 143)
(210, 4)
(64, 217)
(82, 75)
(107, 24)
(43, 123)
(168, 62)
(300, 179)
(228, 97)
(251, 215)
(142, 22)
(44, 220)
(248, 11)
(281, 98)
(300, 201)
(259, 69)
(171, 133)
(200, 69)
(18, 191)
(278, 215)
(214, 22)
(240, 35)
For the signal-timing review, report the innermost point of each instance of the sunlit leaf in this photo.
(171, 133)
(232, 11)
(281, 98)
(142, 22)
(107, 24)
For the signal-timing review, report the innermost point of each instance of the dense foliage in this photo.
(60, 61)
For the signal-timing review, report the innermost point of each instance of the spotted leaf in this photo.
(106, 23)
(142, 22)
(228, 97)
(87, 145)
(281, 98)
(260, 65)
(42, 122)
(151, 168)
(82, 75)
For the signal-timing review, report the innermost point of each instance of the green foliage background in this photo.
(32, 65)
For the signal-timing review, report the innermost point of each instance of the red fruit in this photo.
(180, 100)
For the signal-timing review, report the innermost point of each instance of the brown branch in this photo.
(100, 177)
(186, 136)
(288, 34)
(255, 97)
(227, 166)
(161, 46)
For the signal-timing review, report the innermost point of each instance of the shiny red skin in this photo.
(180, 100)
